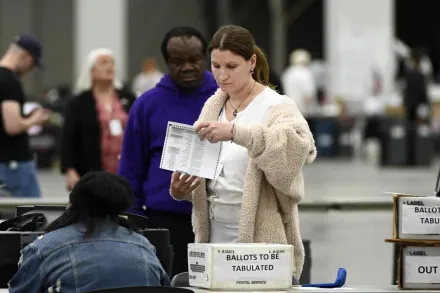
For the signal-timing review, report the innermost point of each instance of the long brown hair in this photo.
(239, 40)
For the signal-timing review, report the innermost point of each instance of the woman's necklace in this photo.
(236, 109)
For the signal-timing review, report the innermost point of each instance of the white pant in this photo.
(223, 232)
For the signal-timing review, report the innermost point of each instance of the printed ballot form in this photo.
(184, 151)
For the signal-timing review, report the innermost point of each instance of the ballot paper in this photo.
(184, 151)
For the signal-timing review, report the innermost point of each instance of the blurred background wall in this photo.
(146, 21)
(356, 39)
(52, 22)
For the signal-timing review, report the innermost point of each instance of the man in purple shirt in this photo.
(178, 97)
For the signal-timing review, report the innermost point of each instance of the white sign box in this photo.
(421, 267)
(240, 266)
(419, 218)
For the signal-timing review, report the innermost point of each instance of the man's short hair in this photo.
(182, 31)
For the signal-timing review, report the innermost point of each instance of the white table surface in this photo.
(356, 289)
(380, 289)
(385, 199)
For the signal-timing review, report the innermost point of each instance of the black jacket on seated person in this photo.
(81, 135)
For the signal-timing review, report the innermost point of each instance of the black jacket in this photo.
(416, 91)
(81, 135)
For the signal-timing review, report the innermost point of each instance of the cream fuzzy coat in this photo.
(274, 181)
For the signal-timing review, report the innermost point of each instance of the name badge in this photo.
(115, 127)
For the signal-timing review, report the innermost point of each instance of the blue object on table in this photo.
(340, 281)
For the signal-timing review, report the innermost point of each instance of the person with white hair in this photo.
(95, 119)
(299, 83)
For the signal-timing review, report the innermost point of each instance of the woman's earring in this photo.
(252, 71)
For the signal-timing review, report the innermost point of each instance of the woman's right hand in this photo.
(183, 184)
(72, 178)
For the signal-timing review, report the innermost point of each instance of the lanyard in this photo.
(220, 114)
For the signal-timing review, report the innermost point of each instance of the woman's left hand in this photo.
(214, 131)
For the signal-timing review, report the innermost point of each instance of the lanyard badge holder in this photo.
(116, 128)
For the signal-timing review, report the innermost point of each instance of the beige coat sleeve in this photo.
(281, 147)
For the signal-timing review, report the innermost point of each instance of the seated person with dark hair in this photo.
(89, 247)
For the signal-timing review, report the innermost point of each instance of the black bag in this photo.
(26, 223)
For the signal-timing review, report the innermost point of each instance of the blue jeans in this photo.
(20, 178)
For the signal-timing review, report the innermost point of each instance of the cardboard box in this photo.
(241, 266)
(419, 267)
(435, 110)
(395, 111)
(416, 218)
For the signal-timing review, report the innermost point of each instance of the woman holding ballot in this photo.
(265, 143)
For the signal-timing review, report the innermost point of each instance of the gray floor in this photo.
(350, 239)
(325, 179)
